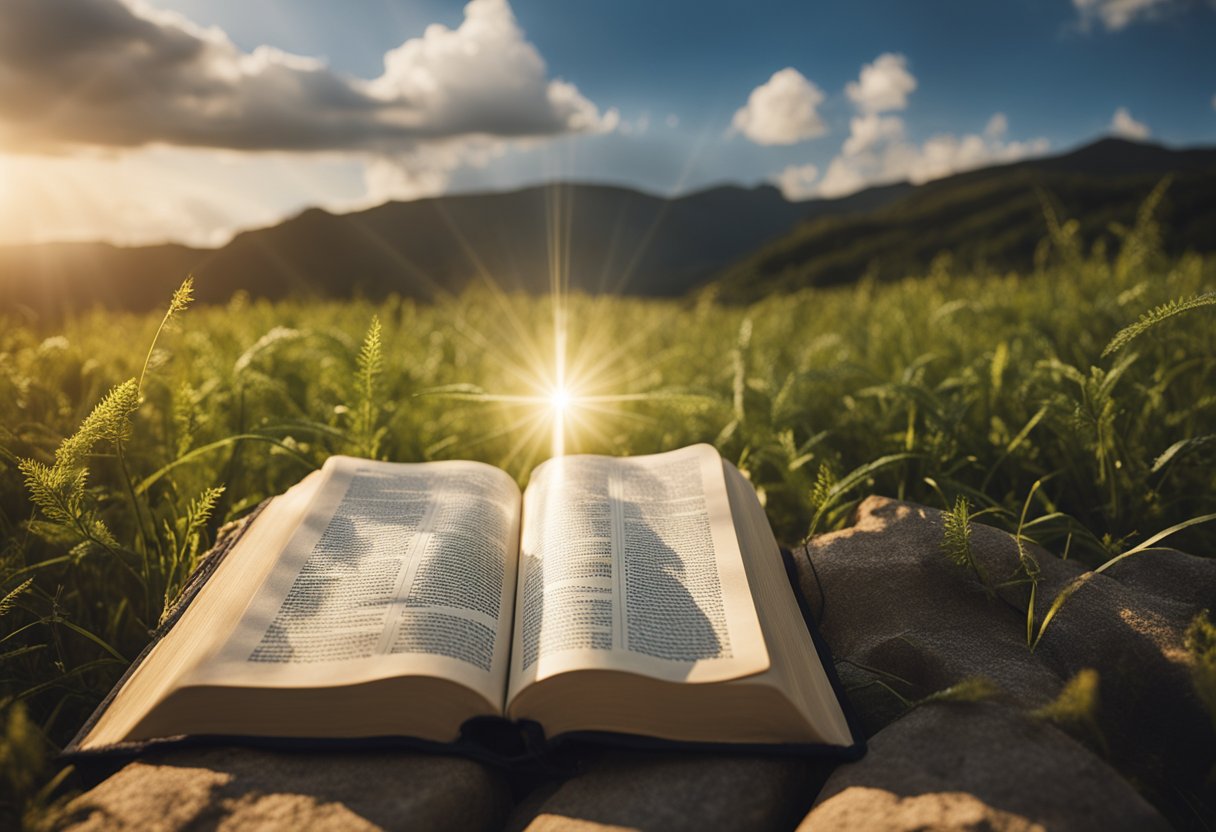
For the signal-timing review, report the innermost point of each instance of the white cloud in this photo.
(870, 129)
(946, 154)
(782, 110)
(1122, 124)
(121, 76)
(797, 181)
(118, 73)
(885, 157)
(843, 177)
(877, 150)
(1116, 14)
(883, 85)
(482, 77)
(421, 172)
(673, 120)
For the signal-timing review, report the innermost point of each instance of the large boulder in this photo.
(905, 622)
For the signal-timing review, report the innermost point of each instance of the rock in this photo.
(1126, 624)
(894, 603)
(955, 766)
(902, 619)
(231, 788)
(677, 791)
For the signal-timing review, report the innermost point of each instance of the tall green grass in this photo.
(1073, 405)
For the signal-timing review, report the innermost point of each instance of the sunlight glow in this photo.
(560, 399)
(559, 432)
(566, 382)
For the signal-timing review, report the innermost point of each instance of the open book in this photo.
(638, 597)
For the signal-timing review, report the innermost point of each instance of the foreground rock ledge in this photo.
(903, 623)
(231, 788)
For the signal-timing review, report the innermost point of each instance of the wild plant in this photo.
(365, 434)
(956, 542)
(1049, 402)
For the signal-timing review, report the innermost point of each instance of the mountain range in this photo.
(743, 243)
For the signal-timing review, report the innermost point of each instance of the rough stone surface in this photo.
(230, 789)
(666, 791)
(954, 766)
(903, 621)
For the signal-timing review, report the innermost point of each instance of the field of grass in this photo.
(1003, 395)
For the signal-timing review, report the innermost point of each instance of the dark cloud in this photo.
(108, 72)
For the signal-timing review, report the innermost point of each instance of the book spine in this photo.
(858, 749)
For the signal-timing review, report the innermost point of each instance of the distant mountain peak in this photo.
(621, 240)
(1114, 155)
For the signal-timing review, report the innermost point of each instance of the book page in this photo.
(633, 564)
(397, 569)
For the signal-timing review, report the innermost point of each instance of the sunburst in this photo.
(572, 383)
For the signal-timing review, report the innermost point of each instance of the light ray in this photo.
(572, 378)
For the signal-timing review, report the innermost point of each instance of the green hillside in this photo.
(619, 241)
(612, 241)
(990, 220)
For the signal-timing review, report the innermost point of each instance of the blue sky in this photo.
(1027, 57)
(652, 97)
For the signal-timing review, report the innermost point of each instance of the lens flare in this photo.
(560, 399)
(566, 381)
